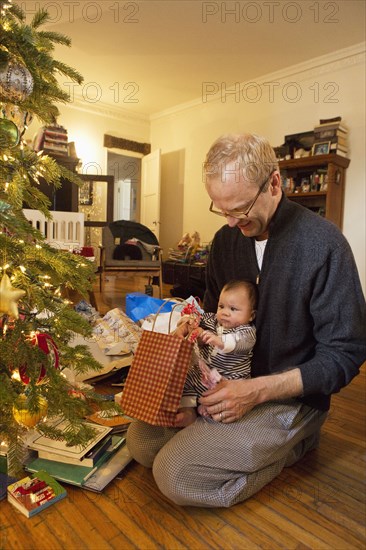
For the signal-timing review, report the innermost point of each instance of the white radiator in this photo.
(65, 230)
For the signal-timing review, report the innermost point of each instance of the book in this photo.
(117, 422)
(329, 134)
(89, 459)
(5, 480)
(339, 139)
(68, 473)
(98, 481)
(338, 147)
(330, 120)
(43, 443)
(333, 126)
(34, 494)
(340, 153)
(108, 370)
(94, 479)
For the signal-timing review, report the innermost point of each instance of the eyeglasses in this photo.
(241, 215)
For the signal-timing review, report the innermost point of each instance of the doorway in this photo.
(126, 171)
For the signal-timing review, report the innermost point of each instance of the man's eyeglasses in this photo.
(237, 214)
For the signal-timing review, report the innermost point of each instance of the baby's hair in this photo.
(241, 284)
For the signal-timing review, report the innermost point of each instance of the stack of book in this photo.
(52, 140)
(33, 494)
(179, 254)
(332, 131)
(91, 467)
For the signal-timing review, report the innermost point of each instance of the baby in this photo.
(226, 340)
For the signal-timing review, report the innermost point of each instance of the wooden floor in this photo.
(317, 504)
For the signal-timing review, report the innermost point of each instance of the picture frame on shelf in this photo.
(321, 148)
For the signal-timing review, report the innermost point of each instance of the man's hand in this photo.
(230, 400)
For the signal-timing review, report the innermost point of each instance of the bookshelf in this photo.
(317, 182)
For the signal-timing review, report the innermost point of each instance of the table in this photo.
(187, 278)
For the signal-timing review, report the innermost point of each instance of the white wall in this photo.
(274, 105)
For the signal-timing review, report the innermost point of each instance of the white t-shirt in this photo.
(259, 250)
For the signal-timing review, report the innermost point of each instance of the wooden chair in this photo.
(130, 247)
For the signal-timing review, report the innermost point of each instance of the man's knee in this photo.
(171, 474)
(135, 444)
(145, 441)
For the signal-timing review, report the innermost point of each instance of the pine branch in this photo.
(40, 18)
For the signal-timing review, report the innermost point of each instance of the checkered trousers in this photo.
(212, 464)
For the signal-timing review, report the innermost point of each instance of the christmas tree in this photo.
(36, 322)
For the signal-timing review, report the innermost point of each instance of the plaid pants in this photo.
(211, 464)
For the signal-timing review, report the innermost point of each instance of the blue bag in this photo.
(139, 306)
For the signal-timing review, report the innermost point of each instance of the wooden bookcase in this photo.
(324, 175)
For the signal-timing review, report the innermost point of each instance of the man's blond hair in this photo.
(254, 156)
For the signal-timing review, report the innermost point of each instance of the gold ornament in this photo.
(9, 133)
(9, 297)
(22, 414)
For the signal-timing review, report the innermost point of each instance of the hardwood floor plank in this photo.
(173, 518)
(15, 530)
(254, 530)
(324, 511)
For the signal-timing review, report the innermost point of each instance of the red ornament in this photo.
(48, 346)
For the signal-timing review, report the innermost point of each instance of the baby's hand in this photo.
(185, 325)
(211, 338)
(182, 327)
(185, 417)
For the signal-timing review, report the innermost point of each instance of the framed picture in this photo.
(96, 199)
(86, 193)
(321, 148)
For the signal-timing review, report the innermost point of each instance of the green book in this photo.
(75, 475)
(70, 473)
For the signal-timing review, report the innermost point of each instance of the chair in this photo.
(130, 246)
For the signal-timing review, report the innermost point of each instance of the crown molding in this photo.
(315, 67)
(106, 110)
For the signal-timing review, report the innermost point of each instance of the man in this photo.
(310, 336)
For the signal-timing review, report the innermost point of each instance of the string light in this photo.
(15, 375)
(6, 5)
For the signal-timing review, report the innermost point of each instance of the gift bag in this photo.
(155, 382)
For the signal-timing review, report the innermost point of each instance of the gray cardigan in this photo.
(311, 311)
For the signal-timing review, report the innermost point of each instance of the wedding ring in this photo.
(220, 416)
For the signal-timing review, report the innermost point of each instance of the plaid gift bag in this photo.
(156, 378)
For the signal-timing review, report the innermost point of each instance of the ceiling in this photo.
(148, 56)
